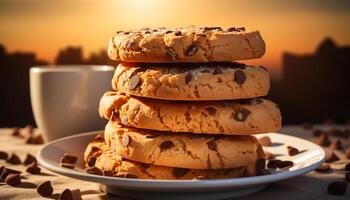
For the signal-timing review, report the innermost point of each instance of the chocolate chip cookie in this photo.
(235, 117)
(191, 81)
(191, 44)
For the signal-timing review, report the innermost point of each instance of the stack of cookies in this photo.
(181, 108)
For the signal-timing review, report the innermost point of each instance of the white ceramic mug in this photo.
(65, 98)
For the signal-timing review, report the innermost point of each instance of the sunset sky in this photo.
(47, 26)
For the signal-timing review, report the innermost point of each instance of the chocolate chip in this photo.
(337, 188)
(336, 144)
(323, 140)
(285, 164)
(241, 29)
(292, 151)
(125, 175)
(108, 173)
(323, 168)
(239, 77)
(201, 35)
(178, 33)
(33, 168)
(217, 70)
(212, 145)
(166, 145)
(273, 164)
(269, 156)
(125, 140)
(94, 170)
(69, 158)
(241, 114)
(331, 157)
(265, 141)
(6, 171)
(14, 159)
(67, 165)
(151, 136)
(179, 172)
(66, 195)
(91, 161)
(13, 179)
(1, 169)
(260, 167)
(134, 82)
(45, 189)
(191, 50)
(211, 110)
(347, 176)
(15, 132)
(29, 159)
(232, 29)
(3, 155)
(188, 78)
(212, 28)
(35, 139)
(168, 31)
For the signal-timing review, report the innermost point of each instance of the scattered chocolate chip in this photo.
(292, 151)
(166, 145)
(76, 194)
(241, 114)
(94, 170)
(33, 168)
(178, 33)
(35, 139)
(273, 164)
(108, 173)
(125, 175)
(201, 35)
(307, 126)
(258, 100)
(1, 169)
(241, 29)
(45, 189)
(7, 171)
(151, 136)
(212, 145)
(239, 77)
(134, 82)
(125, 140)
(29, 159)
(323, 140)
(3, 155)
(191, 50)
(347, 167)
(323, 168)
(217, 70)
(168, 31)
(265, 141)
(67, 165)
(16, 132)
(212, 28)
(211, 110)
(14, 159)
(91, 161)
(285, 164)
(29, 129)
(260, 167)
(179, 172)
(269, 156)
(336, 144)
(347, 176)
(331, 157)
(232, 29)
(188, 78)
(13, 179)
(66, 195)
(337, 188)
(69, 158)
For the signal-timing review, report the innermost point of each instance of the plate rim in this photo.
(171, 184)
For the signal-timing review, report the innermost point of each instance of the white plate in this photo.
(311, 157)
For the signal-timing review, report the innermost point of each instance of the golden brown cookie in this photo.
(191, 81)
(182, 150)
(113, 165)
(235, 117)
(207, 44)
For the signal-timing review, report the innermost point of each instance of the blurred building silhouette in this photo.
(315, 86)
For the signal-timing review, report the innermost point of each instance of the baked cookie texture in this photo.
(190, 81)
(99, 155)
(191, 44)
(182, 150)
(235, 117)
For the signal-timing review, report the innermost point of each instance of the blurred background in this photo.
(308, 45)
